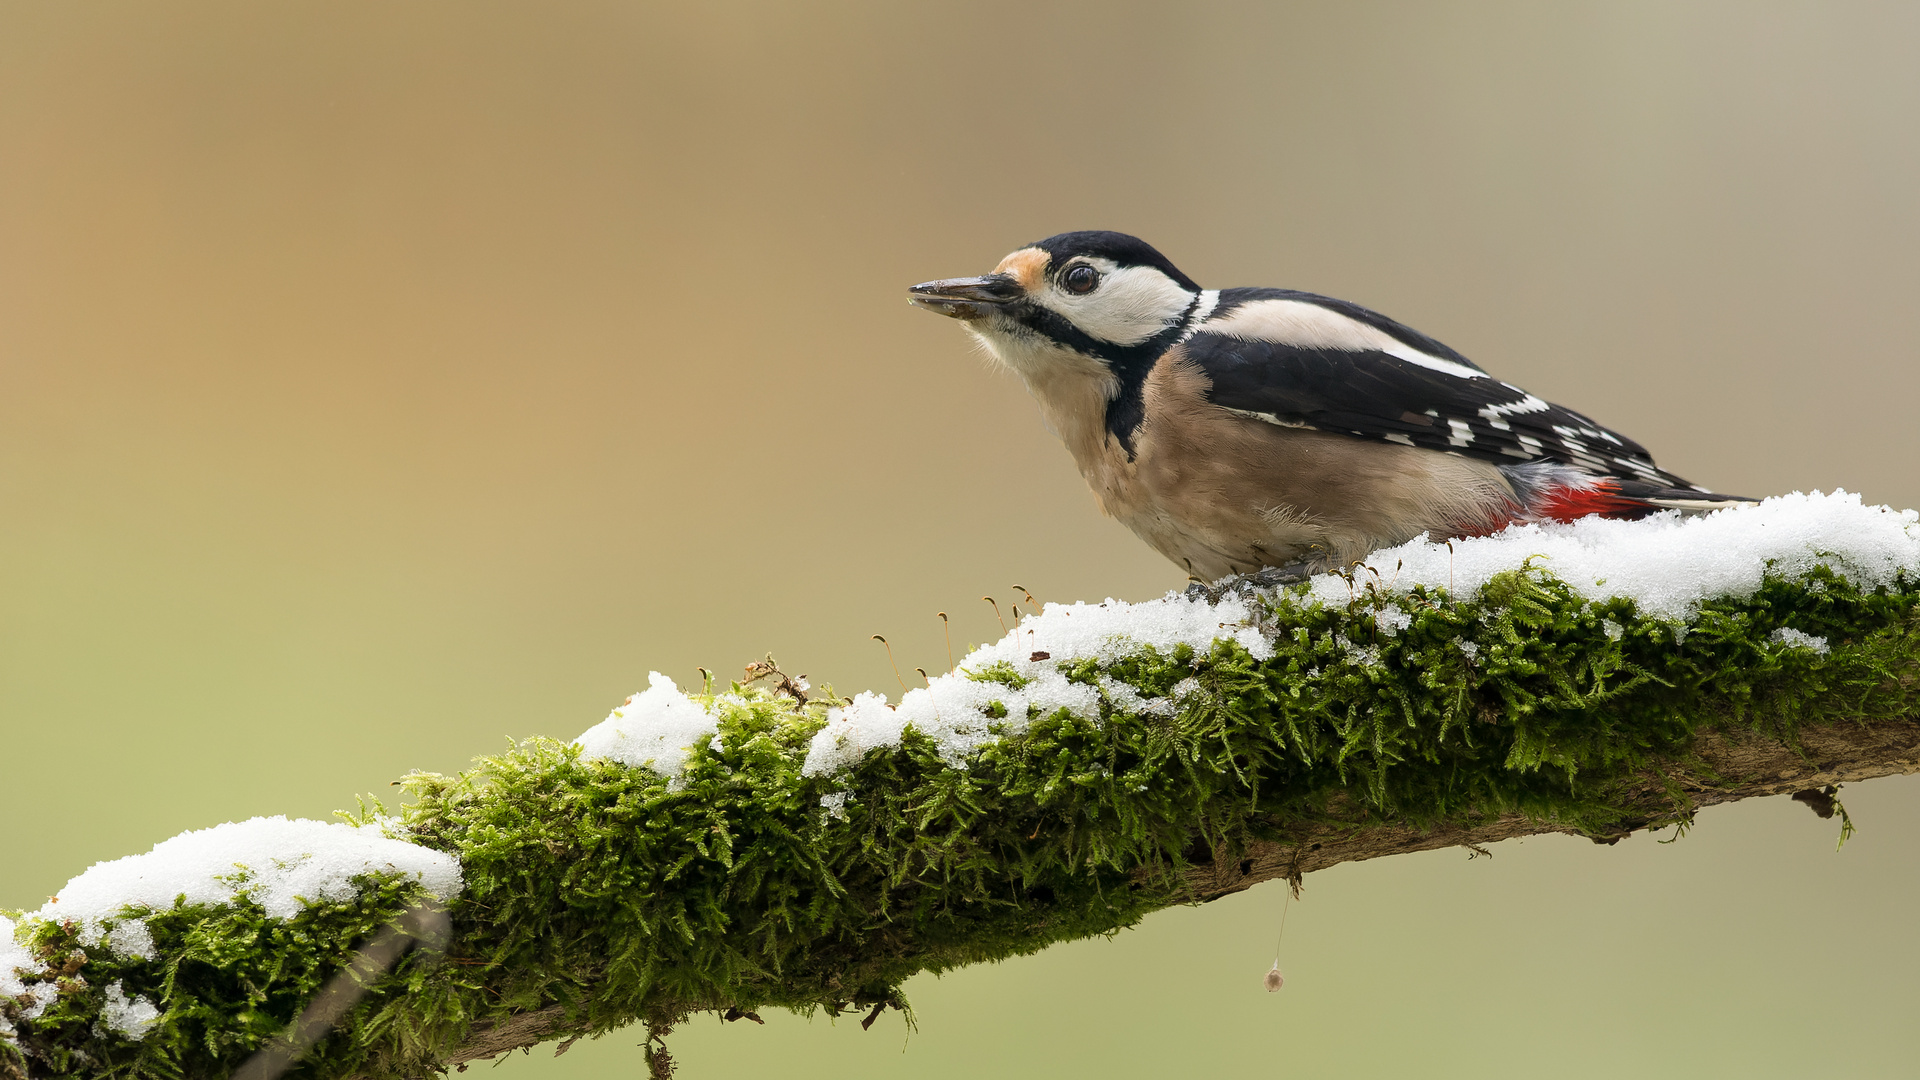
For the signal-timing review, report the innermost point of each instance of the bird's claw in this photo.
(1246, 585)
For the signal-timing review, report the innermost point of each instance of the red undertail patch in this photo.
(1601, 497)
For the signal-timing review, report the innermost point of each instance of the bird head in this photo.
(1104, 295)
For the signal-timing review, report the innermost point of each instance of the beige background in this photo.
(382, 381)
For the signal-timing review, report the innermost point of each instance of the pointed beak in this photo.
(966, 298)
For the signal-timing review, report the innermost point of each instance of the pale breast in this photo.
(1221, 493)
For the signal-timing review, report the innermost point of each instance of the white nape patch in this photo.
(1202, 311)
(1130, 305)
(1296, 322)
(1668, 564)
(655, 729)
(953, 710)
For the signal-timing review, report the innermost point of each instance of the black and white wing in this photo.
(1300, 360)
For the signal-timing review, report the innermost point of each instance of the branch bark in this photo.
(1729, 766)
(1726, 766)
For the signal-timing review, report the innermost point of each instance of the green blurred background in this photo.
(382, 381)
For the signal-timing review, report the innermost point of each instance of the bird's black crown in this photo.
(1121, 248)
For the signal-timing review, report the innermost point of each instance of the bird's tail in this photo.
(1550, 491)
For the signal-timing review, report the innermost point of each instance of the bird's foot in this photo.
(1246, 585)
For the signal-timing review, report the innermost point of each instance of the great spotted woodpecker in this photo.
(1241, 429)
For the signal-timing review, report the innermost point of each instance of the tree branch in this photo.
(1729, 766)
(745, 849)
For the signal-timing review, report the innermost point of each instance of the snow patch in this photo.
(961, 714)
(13, 955)
(19, 977)
(866, 723)
(131, 938)
(279, 863)
(14, 958)
(128, 1017)
(656, 729)
(1795, 639)
(1390, 620)
(1666, 564)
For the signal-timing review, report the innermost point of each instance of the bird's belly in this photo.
(1241, 494)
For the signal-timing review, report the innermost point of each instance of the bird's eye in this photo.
(1081, 279)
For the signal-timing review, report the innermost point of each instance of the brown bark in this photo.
(1730, 766)
(526, 1029)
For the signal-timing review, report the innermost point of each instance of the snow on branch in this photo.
(741, 847)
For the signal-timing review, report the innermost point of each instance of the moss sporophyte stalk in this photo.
(745, 874)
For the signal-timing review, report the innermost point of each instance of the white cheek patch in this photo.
(1296, 322)
(1131, 305)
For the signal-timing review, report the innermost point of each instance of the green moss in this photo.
(616, 895)
(229, 979)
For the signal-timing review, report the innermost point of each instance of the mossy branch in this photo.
(599, 895)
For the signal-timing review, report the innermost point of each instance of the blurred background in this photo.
(379, 382)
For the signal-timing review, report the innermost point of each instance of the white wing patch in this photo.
(1296, 322)
(1495, 415)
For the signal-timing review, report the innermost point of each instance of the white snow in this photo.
(13, 956)
(130, 937)
(654, 728)
(1391, 620)
(868, 723)
(1795, 639)
(952, 709)
(277, 862)
(16, 982)
(1666, 564)
(131, 1018)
